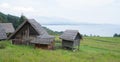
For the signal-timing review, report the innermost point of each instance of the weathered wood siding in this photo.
(26, 34)
(77, 40)
(66, 43)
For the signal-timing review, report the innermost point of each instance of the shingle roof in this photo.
(46, 36)
(37, 27)
(43, 39)
(69, 35)
(34, 24)
(2, 33)
(8, 27)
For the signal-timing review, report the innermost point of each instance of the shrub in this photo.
(2, 45)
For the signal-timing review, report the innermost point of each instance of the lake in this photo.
(94, 29)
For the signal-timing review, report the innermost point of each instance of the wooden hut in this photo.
(44, 41)
(3, 35)
(71, 39)
(31, 32)
(8, 27)
(26, 32)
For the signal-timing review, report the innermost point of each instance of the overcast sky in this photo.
(90, 11)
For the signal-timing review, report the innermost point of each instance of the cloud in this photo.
(82, 3)
(24, 9)
(91, 11)
(4, 5)
(9, 7)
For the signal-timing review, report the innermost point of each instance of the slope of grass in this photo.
(92, 49)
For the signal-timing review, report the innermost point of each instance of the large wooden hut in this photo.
(26, 32)
(71, 39)
(3, 35)
(31, 32)
(44, 41)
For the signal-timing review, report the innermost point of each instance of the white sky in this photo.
(90, 11)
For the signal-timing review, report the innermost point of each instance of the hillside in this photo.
(9, 19)
(15, 20)
(52, 32)
(92, 49)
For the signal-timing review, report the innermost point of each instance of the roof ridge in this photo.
(69, 34)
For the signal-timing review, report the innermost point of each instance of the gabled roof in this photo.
(46, 36)
(69, 35)
(37, 27)
(2, 33)
(34, 24)
(8, 27)
(43, 39)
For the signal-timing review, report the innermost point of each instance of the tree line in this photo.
(16, 21)
(116, 35)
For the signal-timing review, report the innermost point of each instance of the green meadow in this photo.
(92, 49)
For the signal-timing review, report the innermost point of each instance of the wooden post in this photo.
(78, 44)
(28, 35)
(28, 31)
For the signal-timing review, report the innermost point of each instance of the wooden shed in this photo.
(26, 32)
(44, 41)
(71, 39)
(3, 35)
(8, 27)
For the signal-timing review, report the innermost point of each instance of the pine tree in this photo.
(115, 35)
(3, 18)
(22, 19)
(14, 20)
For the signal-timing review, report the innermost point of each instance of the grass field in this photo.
(92, 49)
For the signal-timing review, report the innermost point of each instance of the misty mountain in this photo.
(61, 21)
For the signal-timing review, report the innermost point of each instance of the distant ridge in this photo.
(79, 24)
(62, 21)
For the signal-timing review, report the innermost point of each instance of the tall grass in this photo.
(91, 50)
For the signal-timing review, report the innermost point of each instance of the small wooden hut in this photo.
(3, 35)
(71, 39)
(26, 32)
(44, 41)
